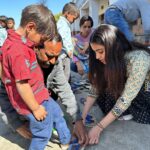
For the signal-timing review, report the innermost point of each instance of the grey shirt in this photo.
(58, 83)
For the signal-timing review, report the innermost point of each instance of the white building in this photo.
(93, 8)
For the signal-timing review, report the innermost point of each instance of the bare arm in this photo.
(88, 104)
(27, 95)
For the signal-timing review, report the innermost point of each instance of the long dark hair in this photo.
(110, 77)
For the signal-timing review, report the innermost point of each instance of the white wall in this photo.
(88, 7)
(94, 11)
(112, 1)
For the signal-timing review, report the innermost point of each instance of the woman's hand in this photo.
(94, 135)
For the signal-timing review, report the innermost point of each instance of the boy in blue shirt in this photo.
(70, 13)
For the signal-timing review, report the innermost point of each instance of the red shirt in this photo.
(19, 63)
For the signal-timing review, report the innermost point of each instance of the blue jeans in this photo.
(42, 130)
(115, 17)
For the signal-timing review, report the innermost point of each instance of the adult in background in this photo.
(80, 58)
(123, 12)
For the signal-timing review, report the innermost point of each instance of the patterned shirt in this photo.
(138, 72)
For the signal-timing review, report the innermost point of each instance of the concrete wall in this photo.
(96, 9)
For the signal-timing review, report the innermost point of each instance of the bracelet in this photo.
(100, 126)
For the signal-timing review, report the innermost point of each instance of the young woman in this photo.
(120, 78)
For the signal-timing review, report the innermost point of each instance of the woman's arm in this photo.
(88, 104)
(137, 71)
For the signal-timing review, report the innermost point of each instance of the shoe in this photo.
(126, 117)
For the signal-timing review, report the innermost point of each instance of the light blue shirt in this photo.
(134, 9)
(3, 35)
(64, 29)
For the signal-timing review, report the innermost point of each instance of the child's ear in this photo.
(31, 26)
(66, 14)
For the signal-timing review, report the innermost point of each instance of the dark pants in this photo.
(139, 108)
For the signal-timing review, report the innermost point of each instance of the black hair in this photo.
(10, 18)
(84, 19)
(3, 19)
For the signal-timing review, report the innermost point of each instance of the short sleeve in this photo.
(20, 66)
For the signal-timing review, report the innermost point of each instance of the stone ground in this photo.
(121, 135)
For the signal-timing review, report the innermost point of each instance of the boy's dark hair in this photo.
(3, 18)
(57, 38)
(84, 19)
(10, 18)
(71, 8)
(42, 17)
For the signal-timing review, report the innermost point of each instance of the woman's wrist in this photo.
(100, 126)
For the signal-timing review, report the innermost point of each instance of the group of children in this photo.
(5, 23)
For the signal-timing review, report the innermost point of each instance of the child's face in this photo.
(3, 24)
(10, 24)
(71, 18)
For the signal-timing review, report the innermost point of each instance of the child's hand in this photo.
(40, 113)
(94, 135)
(70, 54)
(74, 40)
(79, 68)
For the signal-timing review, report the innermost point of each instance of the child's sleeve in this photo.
(65, 33)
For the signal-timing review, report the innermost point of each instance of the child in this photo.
(10, 23)
(3, 32)
(70, 13)
(23, 78)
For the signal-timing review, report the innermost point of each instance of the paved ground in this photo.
(121, 135)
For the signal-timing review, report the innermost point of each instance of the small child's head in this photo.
(3, 21)
(70, 11)
(10, 23)
(38, 23)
